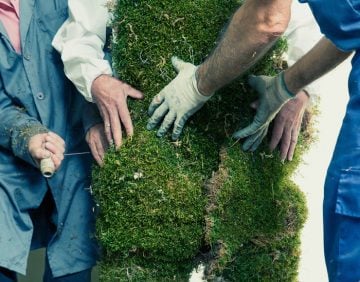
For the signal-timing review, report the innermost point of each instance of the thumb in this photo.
(247, 131)
(40, 154)
(135, 94)
(258, 83)
(178, 64)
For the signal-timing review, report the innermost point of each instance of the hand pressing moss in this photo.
(178, 101)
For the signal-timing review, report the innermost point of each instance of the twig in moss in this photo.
(132, 31)
(237, 141)
(177, 20)
(143, 61)
(263, 156)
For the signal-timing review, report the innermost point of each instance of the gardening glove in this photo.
(273, 94)
(179, 100)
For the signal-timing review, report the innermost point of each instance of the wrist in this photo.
(284, 85)
(291, 84)
(86, 83)
(101, 78)
(303, 96)
(201, 83)
(199, 96)
(98, 84)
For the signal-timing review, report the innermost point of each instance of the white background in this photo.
(311, 174)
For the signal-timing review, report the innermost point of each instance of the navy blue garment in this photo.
(339, 20)
(7, 275)
(36, 97)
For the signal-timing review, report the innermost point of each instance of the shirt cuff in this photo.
(21, 138)
(92, 74)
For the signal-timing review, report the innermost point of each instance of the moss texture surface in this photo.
(165, 206)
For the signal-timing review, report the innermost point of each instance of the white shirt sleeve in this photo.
(80, 41)
(302, 34)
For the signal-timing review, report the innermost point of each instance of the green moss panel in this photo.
(167, 206)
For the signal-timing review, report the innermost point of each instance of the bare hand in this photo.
(287, 125)
(110, 95)
(45, 145)
(98, 144)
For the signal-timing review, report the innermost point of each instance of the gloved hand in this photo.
(177, 101)
(273, 94)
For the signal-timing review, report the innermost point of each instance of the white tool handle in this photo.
(47, 167)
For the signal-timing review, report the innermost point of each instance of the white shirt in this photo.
(80, 40)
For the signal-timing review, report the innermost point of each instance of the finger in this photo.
(107, 126)
(258, 141)
(40, 153)
(125, 117)
(179, 64)
(56, 160)
(166, 124)
(58, 144)
(54, 150)
(115, 126)
(277, 133)
(293, 143)
(285, 143)
(249, 130)
(156, 102)
(251, 140)
(95, 153)
(134, 93)
(157, 116)
(101, 145)
(258, 83)
(178, 126)
(100, 152)
(56, 138)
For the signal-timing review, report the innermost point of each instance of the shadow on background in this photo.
(36, 266)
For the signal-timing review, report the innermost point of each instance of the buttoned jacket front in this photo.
(35, 97)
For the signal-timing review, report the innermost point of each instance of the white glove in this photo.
(179, 100)
(273, 94)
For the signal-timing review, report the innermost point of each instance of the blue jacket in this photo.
(339, 20)
(35, 97)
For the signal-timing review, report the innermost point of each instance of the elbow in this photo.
(272, 25)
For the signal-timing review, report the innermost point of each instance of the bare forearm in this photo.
(317, 62)
(252, 31)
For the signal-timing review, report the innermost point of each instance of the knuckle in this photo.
(168, 120)
(152, 120)
(177, 127)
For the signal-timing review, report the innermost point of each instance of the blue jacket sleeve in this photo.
(90, 116)
(17, 127)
